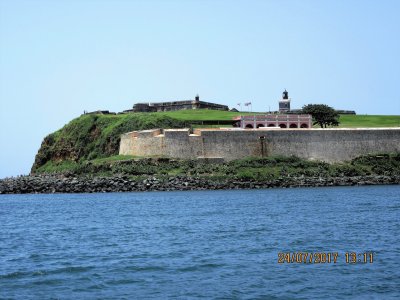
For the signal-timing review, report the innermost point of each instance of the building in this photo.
(284, 103)
(176, 105)
(279, 120)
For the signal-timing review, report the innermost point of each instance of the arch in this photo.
(304, 125)
(282, 126)
(271, 125)
(249, 126)
(260, 125)
(293, 125)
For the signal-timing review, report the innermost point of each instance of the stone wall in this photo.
(331, 145)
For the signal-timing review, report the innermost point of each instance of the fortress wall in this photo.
(142, 143)
(333, 145)
(126, 142)
(180, 143)
(330, 145)
(232, 144)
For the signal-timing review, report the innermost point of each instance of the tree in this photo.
(322, 114)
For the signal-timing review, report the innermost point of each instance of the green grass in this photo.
(58, 167)
(113, 159)
(113, 121)
(204, 114)
(369, 121)
(91, 137)
(346, 121)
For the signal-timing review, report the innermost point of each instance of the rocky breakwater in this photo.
(62, 184)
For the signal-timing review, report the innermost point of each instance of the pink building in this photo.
(282, 121)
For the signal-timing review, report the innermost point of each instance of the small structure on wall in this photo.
(280, 121)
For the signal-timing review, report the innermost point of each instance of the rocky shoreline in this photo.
(47, 184)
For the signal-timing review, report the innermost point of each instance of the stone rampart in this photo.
(330, 145)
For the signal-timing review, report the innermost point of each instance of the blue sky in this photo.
(59, 58)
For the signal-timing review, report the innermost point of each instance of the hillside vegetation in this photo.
(91, 137)
(267, 168)
(95, 136)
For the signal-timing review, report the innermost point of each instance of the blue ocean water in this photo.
(203, 244)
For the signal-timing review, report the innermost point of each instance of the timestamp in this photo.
(359, 258)
(350, 258)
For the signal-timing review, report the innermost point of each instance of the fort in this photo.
(284, 107)
(287, 132)
(176, 105)
(330, 145)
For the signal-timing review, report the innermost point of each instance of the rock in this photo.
(68, 184)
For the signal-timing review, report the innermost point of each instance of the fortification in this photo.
(330, 145)
(176, 105)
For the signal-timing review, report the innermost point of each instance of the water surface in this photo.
(203, 244)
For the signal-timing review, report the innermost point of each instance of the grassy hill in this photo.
(91, 137)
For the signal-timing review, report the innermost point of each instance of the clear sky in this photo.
(59, 58)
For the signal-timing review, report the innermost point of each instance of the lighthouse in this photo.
(284, 103)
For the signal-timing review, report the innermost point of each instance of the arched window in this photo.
(303, 125)
(282, 125)
(249, 126)
(293, 126)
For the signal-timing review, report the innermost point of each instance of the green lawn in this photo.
(204, 114)
(369, 121)
(207, 115)
(345, 120)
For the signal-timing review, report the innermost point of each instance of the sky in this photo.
(59, 58)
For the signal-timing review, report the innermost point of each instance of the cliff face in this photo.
(95, 136)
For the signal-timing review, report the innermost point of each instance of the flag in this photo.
(247, 103)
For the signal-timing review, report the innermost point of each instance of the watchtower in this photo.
(284, 103)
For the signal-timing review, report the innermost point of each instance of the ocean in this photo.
(301, 243)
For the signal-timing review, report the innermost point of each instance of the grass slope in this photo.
(95, 136)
